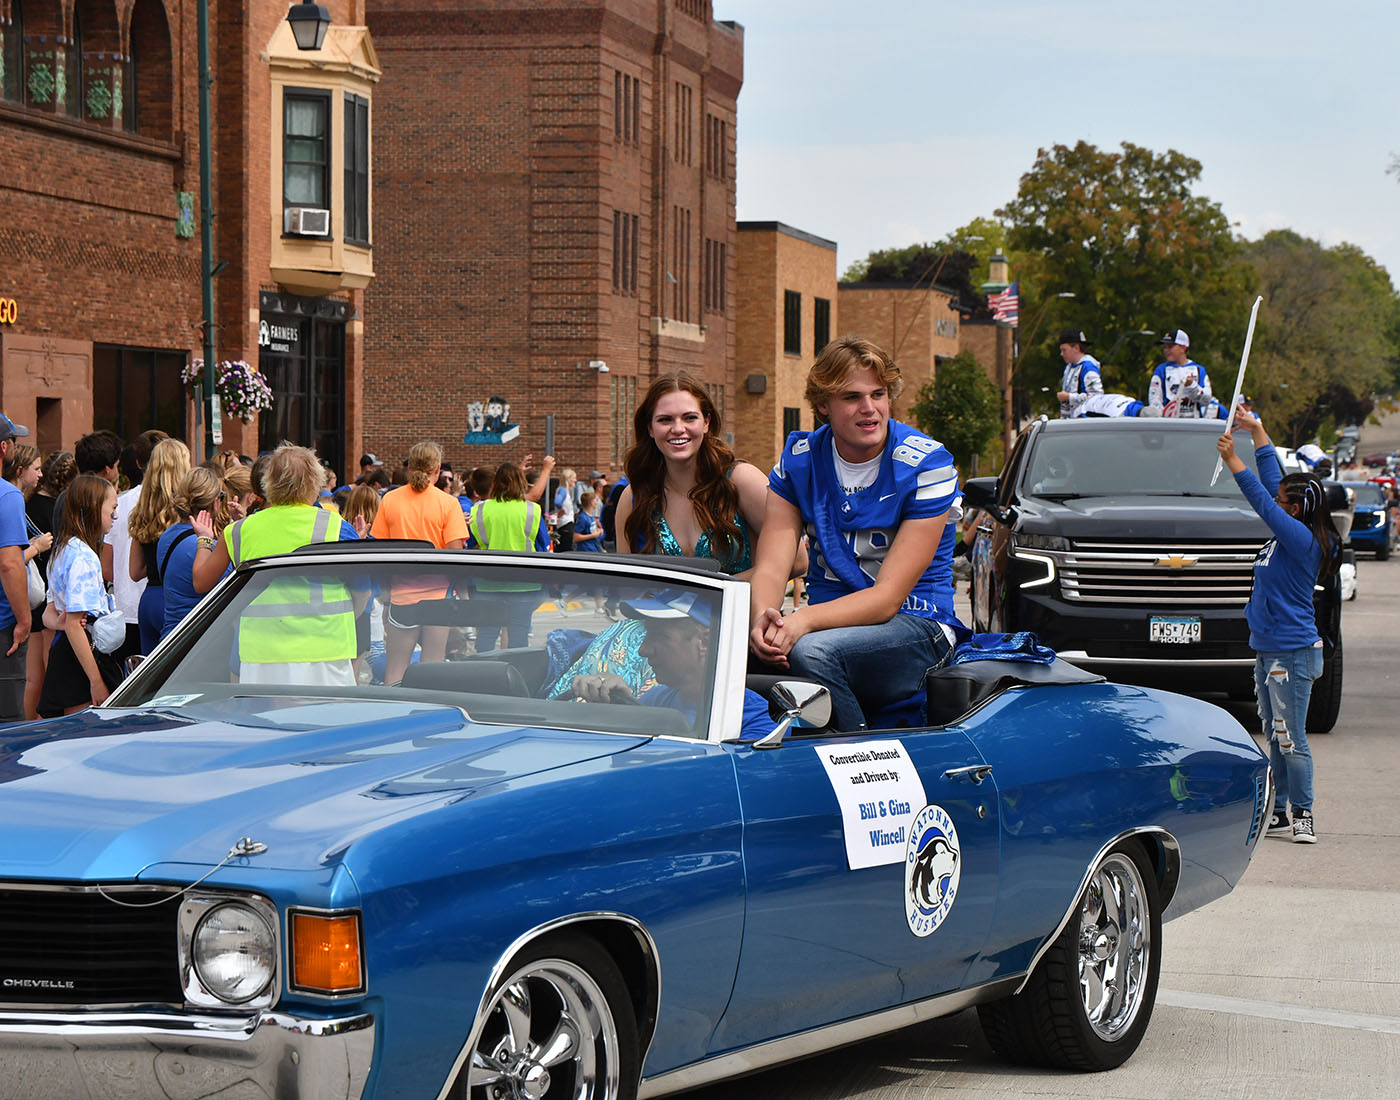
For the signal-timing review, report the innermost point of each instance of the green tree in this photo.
(1326, 338)
(961, 408)
(1125, 234)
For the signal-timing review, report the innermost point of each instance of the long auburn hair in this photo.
(1314, 513)
(714, 498)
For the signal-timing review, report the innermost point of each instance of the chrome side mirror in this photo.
(803, 702)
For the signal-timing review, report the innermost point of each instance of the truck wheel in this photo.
(1326, 701)
(1383, 551)
(1087, 1003)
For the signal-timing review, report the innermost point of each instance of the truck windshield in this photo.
(1093, 460)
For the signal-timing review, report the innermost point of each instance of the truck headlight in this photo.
(234, 952)
(1042, 542)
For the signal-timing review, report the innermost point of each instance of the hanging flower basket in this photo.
(242, 390)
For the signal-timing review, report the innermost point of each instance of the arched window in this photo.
(12, 55)
(147, 74)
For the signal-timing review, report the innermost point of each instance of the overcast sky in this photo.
(881, 123)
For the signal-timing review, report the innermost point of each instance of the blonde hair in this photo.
(155, 507)
(239, 480)
(842, 358)
(424, 459)
(362, 501)
(202, 490)
(294, 475)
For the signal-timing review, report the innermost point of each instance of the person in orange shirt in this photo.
(420, 510)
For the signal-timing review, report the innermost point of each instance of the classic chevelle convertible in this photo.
(609, 863)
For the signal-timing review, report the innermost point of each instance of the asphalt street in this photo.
(1287, 987)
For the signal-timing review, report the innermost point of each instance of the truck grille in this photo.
(1160, 575)
(73, 946)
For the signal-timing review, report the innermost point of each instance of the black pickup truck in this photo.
(1105, 537)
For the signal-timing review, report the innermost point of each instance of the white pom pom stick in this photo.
(1239, 385)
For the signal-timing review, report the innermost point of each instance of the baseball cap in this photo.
(369, 460)
(1074, 336)
(1177, 336)
(595, 475)
(10, 430)
(671, 604)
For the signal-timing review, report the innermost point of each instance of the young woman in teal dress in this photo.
(687, 495)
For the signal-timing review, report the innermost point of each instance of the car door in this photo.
(823, 941)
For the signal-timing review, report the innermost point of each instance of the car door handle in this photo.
(976, 773)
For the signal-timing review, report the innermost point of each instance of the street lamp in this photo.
(1008, 387)
(301, 16)
(309, 23)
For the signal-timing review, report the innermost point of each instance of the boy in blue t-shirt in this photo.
(874, 498)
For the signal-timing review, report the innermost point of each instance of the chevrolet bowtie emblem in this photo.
(1177, 561)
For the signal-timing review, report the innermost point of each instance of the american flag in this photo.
(1004, 305)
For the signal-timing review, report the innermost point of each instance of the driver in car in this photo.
(677, 644)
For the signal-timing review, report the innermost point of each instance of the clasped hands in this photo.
(774, 635)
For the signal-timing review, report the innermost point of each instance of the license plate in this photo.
(1174, 629)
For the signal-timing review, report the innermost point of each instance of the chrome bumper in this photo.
(184, 1057)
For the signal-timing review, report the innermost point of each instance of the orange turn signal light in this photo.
(326, 952)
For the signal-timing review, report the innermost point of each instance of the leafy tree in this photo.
(1125, 234)
(961, 408)
(1326, 339)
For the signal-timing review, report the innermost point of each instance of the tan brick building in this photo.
(556, 195)
(786, 311)
(917, 325)
(99, 250)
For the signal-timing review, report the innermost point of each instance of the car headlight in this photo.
(234, 952)
(1041, 542)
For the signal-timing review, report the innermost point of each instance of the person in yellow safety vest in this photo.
(507, 521)
(298, 630)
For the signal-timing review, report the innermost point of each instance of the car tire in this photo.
(1383, 551)
(1087, 1004)
(1325, 703)
(564, 1004)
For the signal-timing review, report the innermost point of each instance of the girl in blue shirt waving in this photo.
(1282, 623)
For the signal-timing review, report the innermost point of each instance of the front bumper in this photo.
(185, 1057)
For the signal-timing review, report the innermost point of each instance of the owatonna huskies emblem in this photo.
(932, 867)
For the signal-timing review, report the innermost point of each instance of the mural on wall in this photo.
(489, 422)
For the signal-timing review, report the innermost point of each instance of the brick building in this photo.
(100, 274)
(786, 302)
(555, 221)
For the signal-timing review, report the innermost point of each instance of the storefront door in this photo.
(301, 351)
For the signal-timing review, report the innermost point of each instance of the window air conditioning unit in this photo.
(306, 221)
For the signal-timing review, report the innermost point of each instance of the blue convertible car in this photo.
(606, 864)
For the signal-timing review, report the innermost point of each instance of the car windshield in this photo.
(1367, 495)
(1092, 460)
(508, 644)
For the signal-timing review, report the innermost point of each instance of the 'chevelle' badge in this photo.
(932, 867)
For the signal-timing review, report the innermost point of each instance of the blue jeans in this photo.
(520, 611)
(1283, 685)
(869, 667)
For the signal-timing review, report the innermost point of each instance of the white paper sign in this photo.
(879, 793)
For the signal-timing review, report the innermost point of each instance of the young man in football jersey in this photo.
(1082, 375)
(874, 498)
(1180, 386)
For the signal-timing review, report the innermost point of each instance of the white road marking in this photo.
(1268, 1010)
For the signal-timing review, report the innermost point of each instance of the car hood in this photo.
(1143, 516)
(107, 793)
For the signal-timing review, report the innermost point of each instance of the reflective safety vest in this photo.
(505, 525)
(295, 618)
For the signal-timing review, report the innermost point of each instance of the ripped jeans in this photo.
(1283, 685)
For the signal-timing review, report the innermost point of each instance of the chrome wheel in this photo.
(549, 1032)
(1115, 944)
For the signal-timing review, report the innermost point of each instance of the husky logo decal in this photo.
(932, 868)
